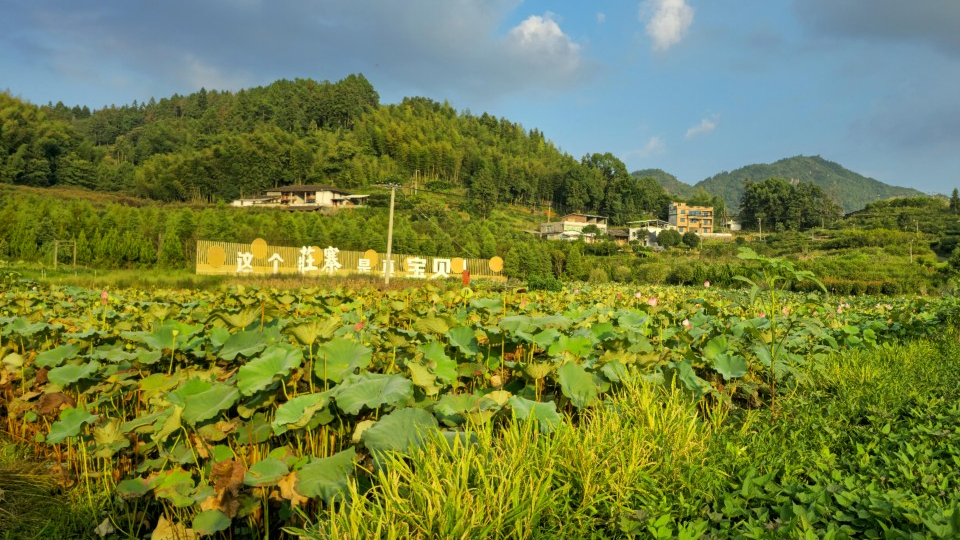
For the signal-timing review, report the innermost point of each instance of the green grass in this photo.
(868, 448)
(33, 504)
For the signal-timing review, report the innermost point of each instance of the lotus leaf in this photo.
(577, 346)
(109, 438)
(516, 324)
(431, 325)
(208, 403)
(21, 327)
(55, 357)
(715, 347)
(175, 486)
(309, 332)
(682, 373)
(142, 424)
(546, 338)
(549, 321)
(398, 431)
(327, 477)
(69, 425)
(577, 385)
(210, 522)
(241, 319)
(167, 424)
(603, 331)
(13, 361)
(169, 335)
(70, 373)
(254, 431)
(340, 357)
(544, 414)
(730, 366)
(614, 371)
(463, 338)
(422, 377)
(276, 361)
(132, 488)
(245, 343)
(266, 472)
(372, 390)
(298, 411)
(442, 365)
(492, 305)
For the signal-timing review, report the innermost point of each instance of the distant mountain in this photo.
(667, 181)
(851, 190)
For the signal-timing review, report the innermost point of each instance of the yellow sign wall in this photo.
(260, 259)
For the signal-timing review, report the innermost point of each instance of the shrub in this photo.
(598, 275)
(544, 284)
(680, 275)
(621, 274)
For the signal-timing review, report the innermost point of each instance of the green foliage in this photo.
(669, 238)
(544, 284)
(850, 190)
(780, 205)
(253, 393)
(690, 239)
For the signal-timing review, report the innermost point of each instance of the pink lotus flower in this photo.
(103, 297)
(763, 315)
(652, 301)
(359, 326)
(639, 295)
(686, 323)
(706, 283)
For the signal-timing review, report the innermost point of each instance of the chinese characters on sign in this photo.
(259, 258)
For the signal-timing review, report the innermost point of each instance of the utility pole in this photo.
(388, 264)
(760, 221)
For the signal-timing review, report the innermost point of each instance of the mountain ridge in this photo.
(851, 190)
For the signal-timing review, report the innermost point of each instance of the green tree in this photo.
(669, 238)
(690, 239)
(955, 202)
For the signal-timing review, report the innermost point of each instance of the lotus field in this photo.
(224, 410)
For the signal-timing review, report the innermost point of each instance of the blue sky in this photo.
(693, 87)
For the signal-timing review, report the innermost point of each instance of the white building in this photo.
(312, 197)
(570, 227)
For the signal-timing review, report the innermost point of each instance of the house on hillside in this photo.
(646, 231)
(697, 219)
(571, 227)
(312, 197)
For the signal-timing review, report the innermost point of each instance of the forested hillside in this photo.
(850, 190)
(668, 181)
(213, 145)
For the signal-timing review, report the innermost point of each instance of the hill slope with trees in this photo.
(213, 145)
(850, 190)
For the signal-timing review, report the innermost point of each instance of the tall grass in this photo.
(651, 463)
(519, 483)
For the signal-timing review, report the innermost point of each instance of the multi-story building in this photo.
(697, 219)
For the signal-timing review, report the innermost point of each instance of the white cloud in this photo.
(667, 21)
(539, 45)
(601, 18)
(705, 126)
(542, 35)
(654, 147)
